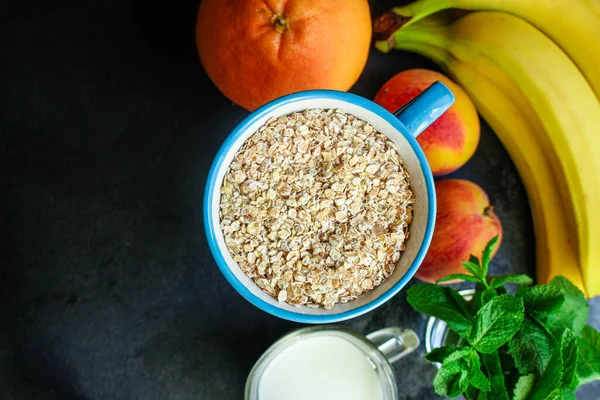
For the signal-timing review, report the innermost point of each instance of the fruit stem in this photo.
(387, 25)
(398, 17)
(280, 23)
(420, 9)
(384, 28)
(487, 211)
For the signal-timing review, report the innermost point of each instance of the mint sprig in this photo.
(531, 345)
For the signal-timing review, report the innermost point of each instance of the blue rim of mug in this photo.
(212, 185)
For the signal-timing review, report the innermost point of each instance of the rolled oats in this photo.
(315, 207)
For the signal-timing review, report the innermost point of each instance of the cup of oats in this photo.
(320, 205)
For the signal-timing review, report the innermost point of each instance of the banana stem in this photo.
(420, 9)
(388, 24)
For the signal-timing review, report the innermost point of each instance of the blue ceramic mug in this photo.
(401, 128)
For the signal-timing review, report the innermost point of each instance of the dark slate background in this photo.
(107, 287)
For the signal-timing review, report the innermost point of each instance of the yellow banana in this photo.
(558, 94)
(565, 104)
(573, 24)
(489, 68)
(555, 253)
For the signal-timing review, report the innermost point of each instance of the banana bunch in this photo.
(532, 78)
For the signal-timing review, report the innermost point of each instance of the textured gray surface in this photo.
(107, 288)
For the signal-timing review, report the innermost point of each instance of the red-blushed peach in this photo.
(465, 223)
(451, 140)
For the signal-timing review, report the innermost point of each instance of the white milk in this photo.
(320, 367)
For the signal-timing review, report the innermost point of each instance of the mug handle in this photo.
(394, 342)
(429, 105)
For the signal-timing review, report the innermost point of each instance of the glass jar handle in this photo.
(394, 342)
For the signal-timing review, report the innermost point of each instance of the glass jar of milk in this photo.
(330, 363)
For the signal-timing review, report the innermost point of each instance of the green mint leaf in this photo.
(524, 386)
(531, 347)
(486, 256)
(496, 322)
(574, 312)
(493, 369)
(473, 269)
(460, 370)
(464, 277)
(543, 300)
(487, 296)
(546, 387)
(588, 362)
(476, 377)
(474, 260)
(450, 384)
(592, 336)
(501, 280)
(439, 354)
(457, 358)
(452, 378)
(443, 303)
(568, 349)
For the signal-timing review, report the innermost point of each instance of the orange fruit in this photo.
(255, 51)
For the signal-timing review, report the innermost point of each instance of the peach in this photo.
(451, 140)
(465, 223)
